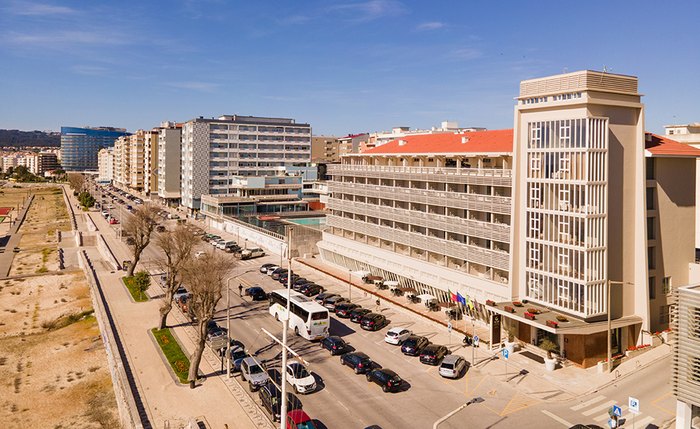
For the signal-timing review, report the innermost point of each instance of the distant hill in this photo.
(16, 138)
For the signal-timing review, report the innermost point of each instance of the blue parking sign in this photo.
(476, 341)
(504, 352)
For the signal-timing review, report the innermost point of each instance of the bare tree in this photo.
(176, 247)
(76, 181)
(206, 278)
(139, 227)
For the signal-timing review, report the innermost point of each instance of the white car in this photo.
(200, 254)
(397, 336)
(300, 379)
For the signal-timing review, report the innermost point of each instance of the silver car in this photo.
(452, 366)
(254, 373)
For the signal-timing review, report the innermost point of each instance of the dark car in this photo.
(311, 289)
(284, 276)
(299, 282)
(263, 267)
(321, 297)
(335, 345)
(237, 355)
(357, 314)
(358, 361)
(277, 273)
(433, 354)
(330, 302)
(344, 309)
(271, 399)
(257, 293)
(414, 345)
(373, 321)
(388, 379)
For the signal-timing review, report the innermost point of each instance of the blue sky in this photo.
(343, 66)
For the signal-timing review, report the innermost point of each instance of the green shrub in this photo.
(136, 293)
(173, 353)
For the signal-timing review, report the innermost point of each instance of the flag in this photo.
(453, 297)
(461, 299)
(470, 303)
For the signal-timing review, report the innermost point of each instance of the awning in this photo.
(407, 289)
(391, 284)
(426, 297)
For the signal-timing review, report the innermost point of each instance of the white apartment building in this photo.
(9, 161)
(215, 151)
(169, 166)
(150, 162)
(136, 172)
(121, 161)
(105, 165)
(576, 198)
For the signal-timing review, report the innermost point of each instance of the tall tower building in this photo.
(79, 146)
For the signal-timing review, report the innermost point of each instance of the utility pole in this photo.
(285, 328)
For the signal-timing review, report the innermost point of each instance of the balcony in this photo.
(475, 254)
(471, 176)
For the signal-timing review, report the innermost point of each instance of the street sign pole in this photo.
(449, 333)
(633, 404)
(504, 352)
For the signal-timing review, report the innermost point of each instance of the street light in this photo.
(349, 285)
(228, 320)
(466, 404)
(610, 283)
(285, 327)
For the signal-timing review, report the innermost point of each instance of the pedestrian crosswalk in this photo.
(595, 411)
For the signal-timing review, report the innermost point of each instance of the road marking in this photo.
(643, 422)
(587, 403)
(557, 418)
(599, 408)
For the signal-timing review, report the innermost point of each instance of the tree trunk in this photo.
(132, 267)
(197, 355)
(164, 311)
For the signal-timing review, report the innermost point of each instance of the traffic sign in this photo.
(449, 326)
(617, 411)
(634, 405)
(504, 352)
(476, 341)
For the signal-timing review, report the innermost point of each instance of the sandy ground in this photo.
(53, 367)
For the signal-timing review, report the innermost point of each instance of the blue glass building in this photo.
(79, 146)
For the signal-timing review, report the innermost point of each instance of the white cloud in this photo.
(434, 25)
(370, 10)
(194, 85)
(38, 9)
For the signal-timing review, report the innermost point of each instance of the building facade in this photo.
(215, 151)
(324, 149)
(150, 162)
(686, 358)
(169, 165)
(79, 146)
(105, 165)
(121, 170)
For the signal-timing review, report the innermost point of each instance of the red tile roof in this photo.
(495, 141)
(663, 146)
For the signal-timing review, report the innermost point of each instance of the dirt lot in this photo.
(53, 366)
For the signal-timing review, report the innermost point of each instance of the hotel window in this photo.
(535, 226)
(664, 312)
(535, 163)
(564, 164)
(666, 285)
(534, 257)
(650, 199)
(563, 199)
(534, 196)
(651, 258)
(564, 261)
(564, 230)
(650, 229)
(652, 287)
(650, 164)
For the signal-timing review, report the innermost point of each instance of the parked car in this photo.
(257, 293)
(358, 361)
(217, 338)
(252, 253)
(335, 345)
(357, 314)
(253, 373)
(275, 275)
(299, 282)
(330, 302)
(298, 419)
(322, 296)
(265, 267)
(397, 336)
(414, 345)
(271, 269)
(433, 354)
(452, 366)
(179, 292)
(300, 378)
(282, 278)
(311, 289)
(271, 400)
(386, 378)
(113, 221)
(232, 248)
(237, 356)
(343, 309)
(200, 254)
(373, 321)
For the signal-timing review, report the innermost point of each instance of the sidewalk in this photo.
(564, 383)
(220, 402)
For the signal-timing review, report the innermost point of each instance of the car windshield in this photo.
(392, 334)
(237, 354)
(300, 372)
(447, 365)
(306, 425)
(255, 369)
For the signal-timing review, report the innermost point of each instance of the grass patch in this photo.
(173, 353)
(63, 321)
(130, 284)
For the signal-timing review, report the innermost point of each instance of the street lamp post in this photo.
(228, 320)
(610, 283)
(349, 285)
(285, 327)
(460, 408)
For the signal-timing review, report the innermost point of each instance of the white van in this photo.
(252, 253)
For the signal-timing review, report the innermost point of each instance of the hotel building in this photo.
(216, 151)
(169, 168)
(79, 146)
(573, 200)
(686, 357)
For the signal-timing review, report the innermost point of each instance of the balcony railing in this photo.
(487, 257)
(474, 176)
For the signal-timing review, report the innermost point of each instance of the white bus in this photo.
(308, 318)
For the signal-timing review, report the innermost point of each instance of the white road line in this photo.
(587, 403)
(599, 408)
(605, 416)
(640, 423)
(557, 418)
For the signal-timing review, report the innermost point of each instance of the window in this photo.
(563, 199)
(650, 199)
(666, 285)
(535, 226)
(651, 258)
(564, 229)
(652, 287)
(535, 164)
(664, 312)
(564, 261)
(534, 196)
(534, 257)
(650, 168)
(650, 229)
(564, 164)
